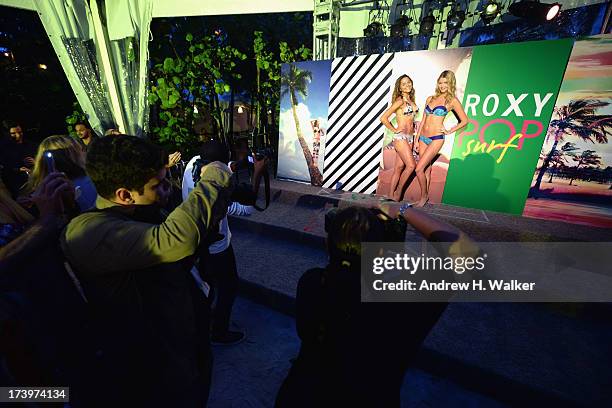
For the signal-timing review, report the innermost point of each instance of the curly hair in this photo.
(123, 162)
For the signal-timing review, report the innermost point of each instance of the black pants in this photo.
(219, 270)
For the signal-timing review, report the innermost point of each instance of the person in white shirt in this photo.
(220, 264)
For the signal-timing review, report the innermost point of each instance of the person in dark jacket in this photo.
(352, 353)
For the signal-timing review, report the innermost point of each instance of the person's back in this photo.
(152, 324)
(217, 263)
(134, 267)
(352, 353)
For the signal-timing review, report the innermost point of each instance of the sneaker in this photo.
(229, 338)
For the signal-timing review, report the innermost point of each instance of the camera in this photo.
(243, 192)
(263, 153)
(196, 172)
(394, 228)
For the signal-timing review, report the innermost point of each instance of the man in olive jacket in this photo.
(151, 319)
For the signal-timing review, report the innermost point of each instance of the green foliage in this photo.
(269, 76)
(288, 55)
(192, 80)
(76, 116)
(296, 81)
(194, 73)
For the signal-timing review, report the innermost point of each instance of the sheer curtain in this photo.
(68, 24)
(103, 48)
(128, 23)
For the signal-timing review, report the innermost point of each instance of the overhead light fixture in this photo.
(399, 27)
(491, 10)
(535, 11)
(42, 66)
(455, 18)
(374, 29)
(240, 110)
(427, 24)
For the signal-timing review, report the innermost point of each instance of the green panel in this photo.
(494, 158)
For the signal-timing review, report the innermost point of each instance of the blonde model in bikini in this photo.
(431, 131)
(404, 108)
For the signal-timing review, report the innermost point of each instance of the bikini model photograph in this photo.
(431, 131)
(404, 108)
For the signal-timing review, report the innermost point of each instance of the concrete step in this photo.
(479, 224)
(517, 353)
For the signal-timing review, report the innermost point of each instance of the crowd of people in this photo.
(109, 286)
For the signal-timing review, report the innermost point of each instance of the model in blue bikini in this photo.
(404, 108)
(431, 132)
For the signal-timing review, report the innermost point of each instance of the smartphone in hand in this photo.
(49, 161)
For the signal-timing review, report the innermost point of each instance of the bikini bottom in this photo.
(428, 139)
(402, 136)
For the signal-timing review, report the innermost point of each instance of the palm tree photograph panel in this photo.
(573, 179)
(303, 120)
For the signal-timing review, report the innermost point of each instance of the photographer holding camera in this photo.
(354, 353)
(150, 317)
(218, 264)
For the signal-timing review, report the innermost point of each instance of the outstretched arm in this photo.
(50, 198)
(90, 238)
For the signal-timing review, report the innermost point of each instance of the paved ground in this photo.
(523, 354)
(249, 374)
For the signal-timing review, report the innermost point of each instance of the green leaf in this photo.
(168, 65)
(176, 80)
(173, 98)
(189, 37)
(226, 88)
(192, 48)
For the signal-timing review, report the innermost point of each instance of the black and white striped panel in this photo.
(359, 94)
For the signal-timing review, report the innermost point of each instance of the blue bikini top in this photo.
(437, 111)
